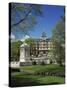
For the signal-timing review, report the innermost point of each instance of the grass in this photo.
(30, 80)
(25, 79)
(43, 68)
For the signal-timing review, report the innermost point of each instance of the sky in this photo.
(46, 23)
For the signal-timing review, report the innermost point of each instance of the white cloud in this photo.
(12, 36)
(25, 37)
(30, 13)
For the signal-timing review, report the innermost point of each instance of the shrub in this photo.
(42, 63)
(14, 69)
(51, 62)
(34, 62)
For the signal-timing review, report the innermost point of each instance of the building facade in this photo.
(42, 46)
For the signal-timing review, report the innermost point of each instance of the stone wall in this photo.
(14, 64)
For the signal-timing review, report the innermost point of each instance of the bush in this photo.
(51, 62)
(14, 69)
(42, 63)
(34, 62)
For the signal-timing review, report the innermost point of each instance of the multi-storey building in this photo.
(42, 46)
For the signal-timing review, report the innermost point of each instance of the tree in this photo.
(32, 44)
(30, 41)
(23, 16)
(15, 50)
(58, 40)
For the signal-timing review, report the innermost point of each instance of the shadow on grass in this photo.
(43, 75)
(18, 82)
(21, 82)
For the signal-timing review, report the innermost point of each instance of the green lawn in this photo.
(26, 79)
(30, 80)
(43, 68)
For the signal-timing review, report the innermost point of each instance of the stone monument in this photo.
(25, 54)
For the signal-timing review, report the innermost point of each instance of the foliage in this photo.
(33, 63)
(58, 40)
(30, 41)
(32, 44)
(23, 16)
(15, 50)
(51, 61)
(14, 69)
(42, 63)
